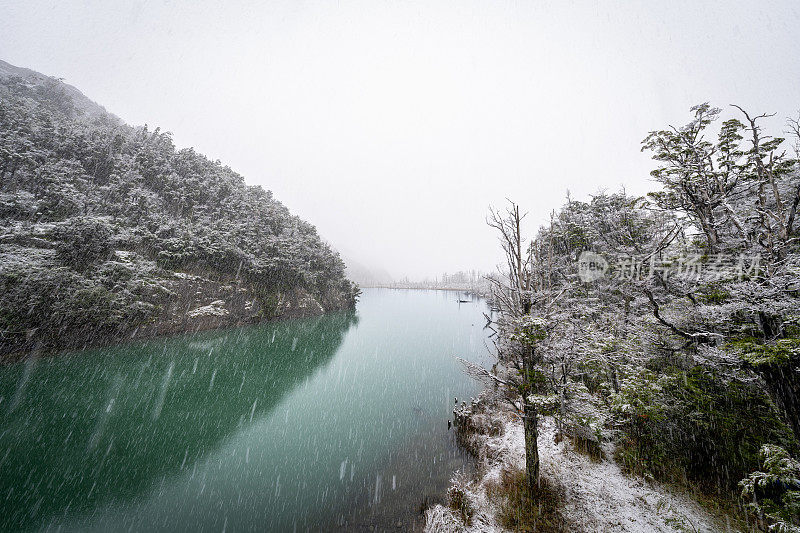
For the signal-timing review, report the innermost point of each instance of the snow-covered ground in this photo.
(597, 495)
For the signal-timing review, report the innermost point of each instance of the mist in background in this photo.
(393, 126)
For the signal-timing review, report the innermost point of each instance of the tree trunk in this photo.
(530, 424)
(793, 213)
(706, 216)
(614, 378)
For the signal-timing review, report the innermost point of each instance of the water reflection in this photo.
(332, 423)
(100, 427)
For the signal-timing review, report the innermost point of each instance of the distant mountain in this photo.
(108, 231)
(366, 276)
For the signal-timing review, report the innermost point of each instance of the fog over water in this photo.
(392, 126)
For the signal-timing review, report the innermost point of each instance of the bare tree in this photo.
(512, 293)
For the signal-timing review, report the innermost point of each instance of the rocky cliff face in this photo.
(201, 303)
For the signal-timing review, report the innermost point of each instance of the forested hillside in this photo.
(109, 231)
(660, 332)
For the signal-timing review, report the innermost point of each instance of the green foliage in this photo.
(545, 405)
(758, 354)
(693, 426)
(528, 330)
(691, 334)
(773, 492)
(714, 293)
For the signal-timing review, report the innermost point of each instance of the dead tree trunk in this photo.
(530, 425)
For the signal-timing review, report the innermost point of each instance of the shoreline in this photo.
(581, 493)
(11, 358)
(229, 314)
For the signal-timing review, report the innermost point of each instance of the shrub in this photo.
(773, 492)
(693, 426)
(458, 498)
(81, 241)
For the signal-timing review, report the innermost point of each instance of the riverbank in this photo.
(186, 303)
(580, 493)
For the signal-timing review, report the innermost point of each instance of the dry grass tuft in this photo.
(519, 512)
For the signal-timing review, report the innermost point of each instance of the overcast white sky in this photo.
(393, 125)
